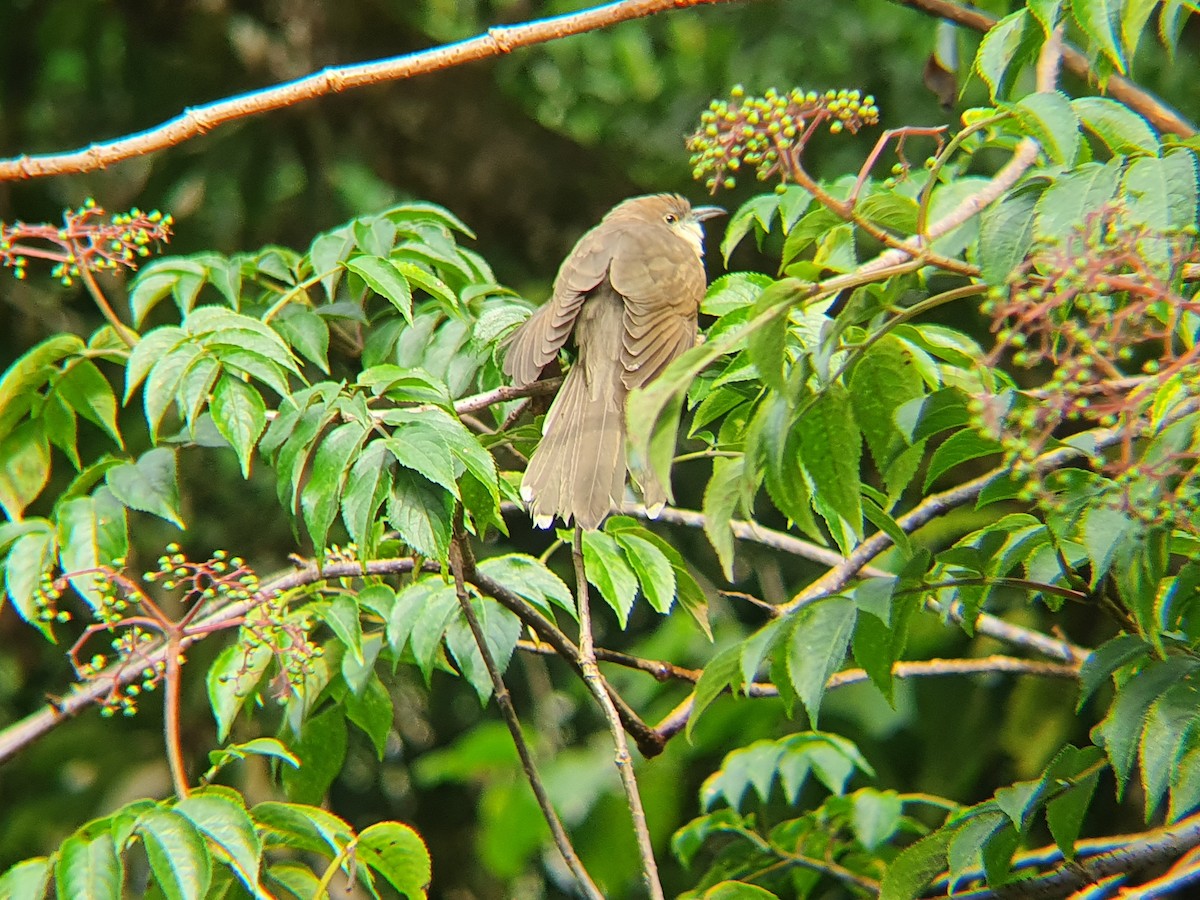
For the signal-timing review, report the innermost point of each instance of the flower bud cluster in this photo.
(86, 240)
(762, 132)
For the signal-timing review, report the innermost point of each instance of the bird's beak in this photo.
(700, 213)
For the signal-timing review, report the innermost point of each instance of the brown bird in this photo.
(629, 292)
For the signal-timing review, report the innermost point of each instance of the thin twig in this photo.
(677, 719)
(848, 567)
(624, 763)
(171, 685)
(504, 700)
(199, 120)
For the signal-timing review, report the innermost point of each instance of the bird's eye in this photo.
(671, 218)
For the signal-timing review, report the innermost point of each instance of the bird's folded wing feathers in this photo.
(538, 341)
(662, 281)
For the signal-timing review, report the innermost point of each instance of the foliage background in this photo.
(529, 150)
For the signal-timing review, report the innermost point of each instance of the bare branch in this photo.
(461, 565)
(198, 120)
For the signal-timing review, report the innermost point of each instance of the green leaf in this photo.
(1098, 19)
(385, 278)
(722, 672)
(341, 615)
(321, 497)
(397, 853)
(1064, 813)
(91, 533)
(1106, 659)
(607, 569)
(371, 709)
(367, 486)
(431, 284)
(883, 380)
(654, 571)
(306, 331)
(734, 290)
(28, 374)
(27, 880)
(88, 868)
(232, 679)
(910, 872)
(1007, 46)
(960, 447)
(759, 210)
(1168, 723)
(240, 415)
(721, 497)
(88, 392)
(429, 627)
(501, 630)
(736, 890)
(1049, 118)
(529, 579)
(830, 449)
(177, 276)
(32, 555)
(225, 822)
(1122, 727)
(26, 468)
(178, 855)
(877, 815)
(817, 647)
(420, 511)
(302, 827)
(423, 449)
(1161, 193)
(321, 748)
(1071, 198)
(1006, 234)
(149, 485)
(1123, 131)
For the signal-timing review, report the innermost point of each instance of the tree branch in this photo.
(622, 759)
(674, 721)
(198, 120)
(461, 566)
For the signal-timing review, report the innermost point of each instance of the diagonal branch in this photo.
(198, 120)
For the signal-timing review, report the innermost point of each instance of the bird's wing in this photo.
(662, 281)
(538, 341)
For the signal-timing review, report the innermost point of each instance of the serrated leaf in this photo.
(88, 392)
(385, 278)
(876, 816)
(910, 872)
(1071, 198)
(655, 574)
(227, 824)
(178, 855)
(722, 672)
(91, 532)
(830, 449)
(612, 576)
(27, 880)
(421, 512)
(26, 467)
(529, 579)
(721, 496)
(32, 555)
(1168, 722)
(431, 284)
(240, 415)
(1098, 20)
(322, 495)
(817, 647)
(419, 447)
(1121, 728)
(397, 853)
(341, 615)
(1123, 131)
(883, 380)
(148, 485)
(1049, 118)
(1006, 46)
(962, 446)
(88, 867)
(501, 629)
(1161, 193)
(234, 677)
(307, 332)
(371, 709)
(29, 373)
(1065, 812)
(1006, 234)
(321, 748)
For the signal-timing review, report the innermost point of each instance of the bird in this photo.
(629, 295)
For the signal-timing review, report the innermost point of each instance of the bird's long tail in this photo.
(578, 470)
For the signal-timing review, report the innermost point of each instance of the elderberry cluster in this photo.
(763, 132)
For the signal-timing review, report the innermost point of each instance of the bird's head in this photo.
(673, 211)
